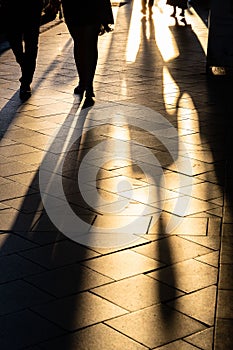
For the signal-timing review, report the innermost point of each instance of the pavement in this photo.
(117, 220)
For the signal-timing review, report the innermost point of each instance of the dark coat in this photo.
(17, 12)
(85, 12)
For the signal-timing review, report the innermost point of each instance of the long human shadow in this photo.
(150, 55)
(212, 100)
(33, 225)
(56, 256)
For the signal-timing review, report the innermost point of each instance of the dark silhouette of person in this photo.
(150, 4)
(182, 4)
(22, 24)
(85, 20)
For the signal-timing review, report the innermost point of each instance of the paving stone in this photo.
(10, 243)
(228, 215)
(12, 220)
(136, 292)
(206, 241)
(172, 250)
(223, 334)
(214, 226)
(43, 237)
(13, 168)
(59, 254)
(211, 259)
(182, 225)
(226, 276)
(224, 305)
(227, 230)
(177, 345)
(203, 191)
(203, 339)
(188, 276)
(78, 311)
(155, 325)
(19, 295)
(120, 224)
(34, 157)
(30, 179)
(194, 206)
(14, 190)
(17, 149)
(68, 280)
(226, 249)
(27, 204)
(99, 337)
(14, 267)
(198, 305)
(25, 328)
(122, 264)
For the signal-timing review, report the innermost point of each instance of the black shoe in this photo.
(88, 102)
(78, 90)
(90, 93)
(25, 92)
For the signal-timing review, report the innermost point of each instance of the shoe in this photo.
(88, 102)
(143, 11)
(78, 90)
(25, 92)
(182, 13)
(90, 92)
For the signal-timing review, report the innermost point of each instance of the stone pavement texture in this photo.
(153, 270)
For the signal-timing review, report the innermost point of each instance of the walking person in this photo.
(22, 19)
(86, 20)
(150, 4)
(22, 31)
(182, 4)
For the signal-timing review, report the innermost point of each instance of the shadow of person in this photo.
(151, 63)
(186, 68)
(55, 283)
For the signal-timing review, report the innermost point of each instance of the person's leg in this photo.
(151, 3)
(15, 38)
(143, 10)
(174, 11)
(31, 40)
(86, 55)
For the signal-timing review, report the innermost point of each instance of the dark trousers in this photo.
(85, 39)
(23, 35)
(150, 3)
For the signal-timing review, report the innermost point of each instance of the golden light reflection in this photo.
(171, 91)
(134, 33)
(163, 36)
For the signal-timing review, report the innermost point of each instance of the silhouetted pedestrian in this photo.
(85, 21)
(182, 4)
(150, 4)
(22, 26)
